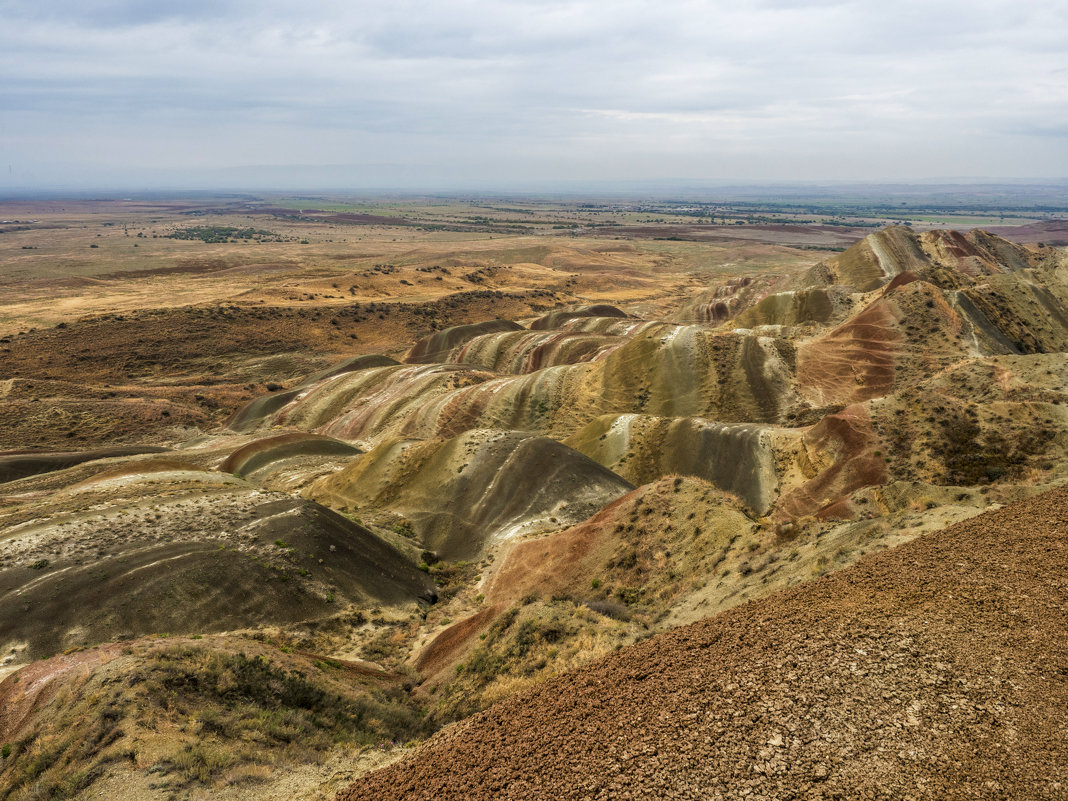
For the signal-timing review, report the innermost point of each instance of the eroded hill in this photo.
(934, 670)
(518, 495)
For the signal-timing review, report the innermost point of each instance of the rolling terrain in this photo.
(457, 497)
(933, 670)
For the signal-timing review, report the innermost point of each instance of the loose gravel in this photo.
(937, 670)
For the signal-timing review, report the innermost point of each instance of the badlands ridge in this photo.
(421, 537)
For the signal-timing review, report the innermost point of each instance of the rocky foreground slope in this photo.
(938, 669)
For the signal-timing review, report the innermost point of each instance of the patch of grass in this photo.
(200, 762)
(68, 755)
(610, 609)
(405, 530)
(450, 577)
(232, 710)
(517, 646)
(221, 233)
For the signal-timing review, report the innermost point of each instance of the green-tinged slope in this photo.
(464, 493)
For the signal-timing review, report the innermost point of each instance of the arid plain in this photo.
(289, 484)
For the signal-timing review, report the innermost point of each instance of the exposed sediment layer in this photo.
(465, 493)
(737, 458)
(929, 671)
(163, 546)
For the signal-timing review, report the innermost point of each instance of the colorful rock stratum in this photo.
(796, 535)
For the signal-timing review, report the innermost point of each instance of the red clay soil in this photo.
(854, 362)
(851, 437)
(900, 280)
(937, 670)
(444, 648)
(38, 683)
(542, 566)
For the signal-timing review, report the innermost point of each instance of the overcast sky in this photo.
(440, 93)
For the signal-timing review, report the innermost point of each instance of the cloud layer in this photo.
(480, 93)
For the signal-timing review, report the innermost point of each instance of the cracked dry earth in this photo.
(937, 670)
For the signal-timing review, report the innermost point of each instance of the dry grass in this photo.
(83, 258)
(203, 715)
(530, 642)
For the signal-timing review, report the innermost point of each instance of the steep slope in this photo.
(527, 351)
(727, 299)
(252, 414)
(907, 332)
(286, 462)
(16, 465)
(879, 257)
(872, 682)
(465, 493)
(159, 545)
(150, 718)
(559, 318)
(796, 307)
(659, 369)
(375, 402)
(666, 554)
(935, 317)
(842, 451)
(570, 596)
(671, 371)
(1021, 312)
(737, 458)
(263, 453)
(438, 346)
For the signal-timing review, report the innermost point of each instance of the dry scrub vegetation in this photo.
(208, 712)
(417, 459)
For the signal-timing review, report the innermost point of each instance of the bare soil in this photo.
(804, 236)
(1050, 232)
(938, 669)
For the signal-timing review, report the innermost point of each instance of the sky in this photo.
(471, 94)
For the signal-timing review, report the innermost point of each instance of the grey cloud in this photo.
(120, 13)
(697, 85)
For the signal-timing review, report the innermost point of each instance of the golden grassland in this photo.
(64, 259)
